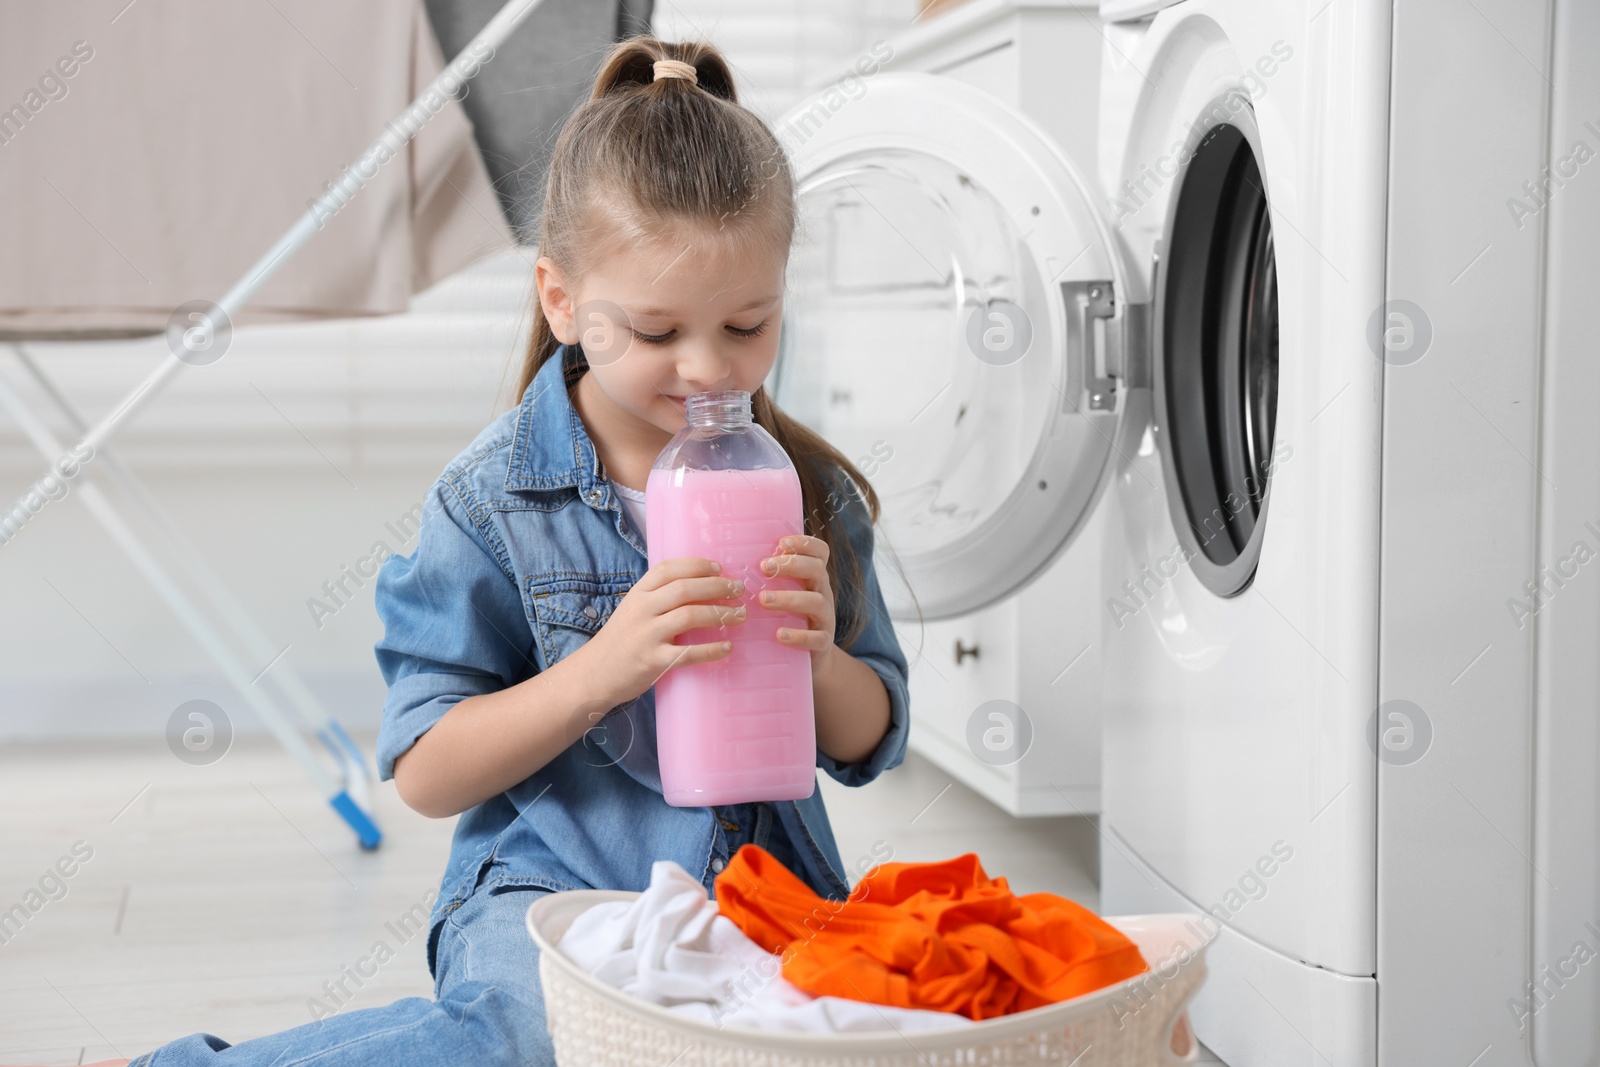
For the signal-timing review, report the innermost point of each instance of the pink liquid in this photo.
(742, 727)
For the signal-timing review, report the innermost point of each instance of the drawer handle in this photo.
(962, 652)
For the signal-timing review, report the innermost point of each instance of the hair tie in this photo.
(675, 68)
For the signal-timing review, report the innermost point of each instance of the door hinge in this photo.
(1108, 342)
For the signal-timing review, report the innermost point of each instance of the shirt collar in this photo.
(550, 449)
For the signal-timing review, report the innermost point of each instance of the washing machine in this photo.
(1338, 728)
(1292, 379)
(925, 293)
(1245, 154)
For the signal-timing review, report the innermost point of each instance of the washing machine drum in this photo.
(955, 325)
(1216, 358)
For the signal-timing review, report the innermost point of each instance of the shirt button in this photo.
(717, 864)
(589, 610)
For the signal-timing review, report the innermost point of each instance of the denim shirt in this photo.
(523, 553)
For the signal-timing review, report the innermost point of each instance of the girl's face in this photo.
(666, 318)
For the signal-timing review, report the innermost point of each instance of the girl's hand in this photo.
(635, 646)
(805, 558)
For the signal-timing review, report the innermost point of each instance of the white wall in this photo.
(780, 49)
(290, 458)
(299, 451)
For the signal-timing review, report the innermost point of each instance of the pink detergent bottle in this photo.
(740, 728)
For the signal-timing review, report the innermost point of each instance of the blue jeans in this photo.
(488, 1007)
(752, 823)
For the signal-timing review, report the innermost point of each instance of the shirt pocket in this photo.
(566, 608)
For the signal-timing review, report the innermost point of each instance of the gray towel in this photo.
(522, 98)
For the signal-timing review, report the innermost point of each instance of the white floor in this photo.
(221, 898)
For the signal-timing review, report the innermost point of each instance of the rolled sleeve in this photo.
(453, 621)
(877, 647)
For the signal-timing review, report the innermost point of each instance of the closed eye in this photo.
(662, 338)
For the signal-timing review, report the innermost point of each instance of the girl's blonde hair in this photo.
(644, 155)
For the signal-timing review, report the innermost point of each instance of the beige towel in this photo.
(151, 152)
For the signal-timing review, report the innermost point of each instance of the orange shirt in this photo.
(941, 936)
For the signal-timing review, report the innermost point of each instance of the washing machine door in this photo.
(955, 324)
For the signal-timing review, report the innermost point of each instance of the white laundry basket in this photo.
(1130, 1024)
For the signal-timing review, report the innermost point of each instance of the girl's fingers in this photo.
(710, 651)
(800, 601)
(804, 544)
(792, 565)
(669, 570)
(684, 655)
(798, 551)
(701, 616)
(814, 640)
(697, 590)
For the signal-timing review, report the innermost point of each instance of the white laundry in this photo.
(672, 947)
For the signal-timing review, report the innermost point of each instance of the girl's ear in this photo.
(556, 300)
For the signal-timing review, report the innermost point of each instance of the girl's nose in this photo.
(703, 371)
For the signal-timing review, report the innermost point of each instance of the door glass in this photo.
(895, 253)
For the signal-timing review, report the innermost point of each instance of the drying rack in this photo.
(213, 616)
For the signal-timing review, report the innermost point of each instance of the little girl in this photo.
(524, 635)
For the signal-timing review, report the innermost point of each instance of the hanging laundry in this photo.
(539, 74)
(941, 936)
(151, 153)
